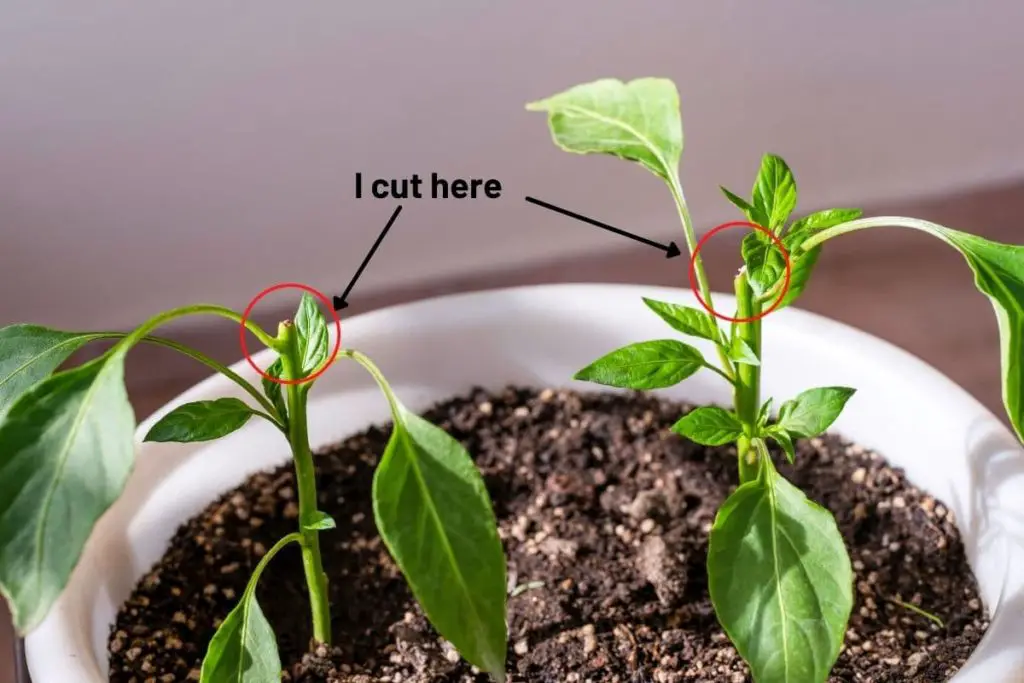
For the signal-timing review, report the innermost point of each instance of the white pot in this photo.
(947, 442)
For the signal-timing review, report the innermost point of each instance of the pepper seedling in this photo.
(66, 451)
(778, 573)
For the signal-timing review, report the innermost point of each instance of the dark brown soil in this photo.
(605, 516)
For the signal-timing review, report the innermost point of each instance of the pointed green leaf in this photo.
(740, 352)
(638, 121)
(999, 274)
(765, 263)
(65, 453)
(273, 390)
(201, 421)
(435, 516)
(764, 413)
(813, 411)
(321, 522)
(244, 649)
(645, 365)
(753, 215)
(819, 220)
(710, 426)
(29, 353)
(686, 319)
(780, 580)
(774, 194)
(313, 336)
(784, 439)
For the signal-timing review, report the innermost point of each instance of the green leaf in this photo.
(753, 215)
(29, 353)
(813, 411)
(802, 262)
(321, 522)
(710, 426)
(819, 220)
(645, 365)
(638, 121)
(784, 439)
(999, 274)
(244, 649)
(686, 319)
(774, 195)
(765, 263)
(740, 352)
(201, 421)
(780, 580)
(434, 514)
(66, 450)
(273, 390)
(313, 336)
(764, 413)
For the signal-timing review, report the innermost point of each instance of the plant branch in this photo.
(698, 263)
(305, 476)
(747, 396)
(874, 222)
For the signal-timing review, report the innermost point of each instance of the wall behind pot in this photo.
(164, 152)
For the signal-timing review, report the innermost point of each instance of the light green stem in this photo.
(747, 394)
(875, 222)
(305, 476)
(698, 265)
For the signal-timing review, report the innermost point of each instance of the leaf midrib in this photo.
(34, 359)
(432, 508)
(575, 108)
(62, 463)
(778, 578)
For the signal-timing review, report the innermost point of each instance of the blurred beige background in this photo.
(160, 153)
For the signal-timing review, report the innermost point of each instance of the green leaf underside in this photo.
(435, 516)
(710, 426)
(765, 262)
(813, 411)
(638, 121)
(740, 352)
(201, 421)
(686, 319)
(780, 580)
(644, 365)
(313, 336)
(321, 522)
(29, 353)
(774, 194)
(67, 451)
(244, 648)
(999, 274)
(273, 390)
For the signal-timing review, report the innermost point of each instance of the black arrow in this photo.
(671, 250)
(340, 301)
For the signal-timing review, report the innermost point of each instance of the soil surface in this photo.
(605, 517)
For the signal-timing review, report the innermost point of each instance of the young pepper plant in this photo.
(778, 572)
(66, 451)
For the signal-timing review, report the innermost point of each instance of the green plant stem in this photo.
(305, 476)
(874, 222)
(748, 378)
(698, 265)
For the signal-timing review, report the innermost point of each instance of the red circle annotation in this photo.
(323, 299)
(753, 226)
